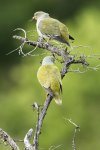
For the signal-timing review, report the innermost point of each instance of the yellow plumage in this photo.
(50, 78)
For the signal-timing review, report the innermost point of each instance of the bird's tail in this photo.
(58, 100)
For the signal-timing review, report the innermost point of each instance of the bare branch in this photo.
(67, 61)
(40, 121)
(28, 136)
(42, 45)
(6, 138)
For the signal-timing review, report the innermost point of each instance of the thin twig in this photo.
(77, 128)
(95, 68)
(18, 140)
(77, 70)
(74, 138)
(7, 139)
(54, 147)
(20, 48)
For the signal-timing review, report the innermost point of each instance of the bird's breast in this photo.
(40, 33)
(38, 30)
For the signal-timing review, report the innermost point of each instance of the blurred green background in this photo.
(19, 87)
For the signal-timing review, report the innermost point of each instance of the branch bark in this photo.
(6, 138)
(42, 45)
(40, 121)
(67, 59)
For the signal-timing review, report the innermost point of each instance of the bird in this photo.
(49, 77)
(51, 28)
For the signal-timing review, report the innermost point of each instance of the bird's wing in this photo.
(49, 27)
(55, 29)
(57, 74)
(49, 77)
(64, 31)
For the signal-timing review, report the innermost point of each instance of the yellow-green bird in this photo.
(50, 79)
(51, 28)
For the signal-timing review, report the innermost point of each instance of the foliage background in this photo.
(19, 87)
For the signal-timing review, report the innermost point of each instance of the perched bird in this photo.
(49, 77)
(51, 28)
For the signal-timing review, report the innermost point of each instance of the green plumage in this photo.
(52, 28)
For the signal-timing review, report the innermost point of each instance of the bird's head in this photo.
(40, 14)
(48, 60)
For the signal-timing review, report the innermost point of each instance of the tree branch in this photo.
(40, 119)
(42, 45)
(6, 138)
(68, 60)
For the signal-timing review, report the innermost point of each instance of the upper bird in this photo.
(51, 28)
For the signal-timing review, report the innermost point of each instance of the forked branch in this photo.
(67, 62)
